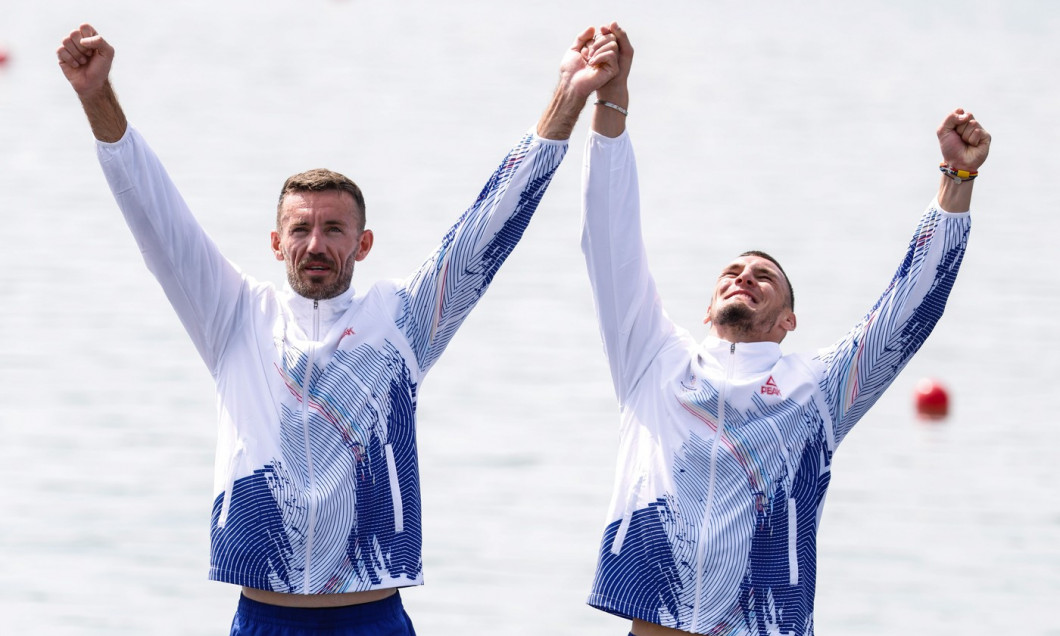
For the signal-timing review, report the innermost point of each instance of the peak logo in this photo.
(770, 388)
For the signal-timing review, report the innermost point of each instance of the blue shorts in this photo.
(385, 617)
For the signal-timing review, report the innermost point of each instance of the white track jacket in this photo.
(726, 449)
(317, 479)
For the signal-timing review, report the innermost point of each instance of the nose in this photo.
(745, 277)
(316, 241)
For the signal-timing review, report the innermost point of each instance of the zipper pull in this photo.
(316, 319)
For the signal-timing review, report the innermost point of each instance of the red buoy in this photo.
(3, 55)
(932, 399)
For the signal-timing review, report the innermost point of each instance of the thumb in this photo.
(583, 38)
(91, 39)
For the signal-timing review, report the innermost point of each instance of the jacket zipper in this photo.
(306, 589)
(719, 433)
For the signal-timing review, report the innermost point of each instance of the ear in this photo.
(365, 244)
(706, 318)
(787, 321)
(277, 250)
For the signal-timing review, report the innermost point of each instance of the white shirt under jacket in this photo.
(317, 480)
(725, 449)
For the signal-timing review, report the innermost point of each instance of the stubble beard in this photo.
(741, 320)
(736, 317)
(298, 278)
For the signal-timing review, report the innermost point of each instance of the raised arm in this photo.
(442, 292)
(202, 286)
(868, 358)
(85, 59)
(633, 324)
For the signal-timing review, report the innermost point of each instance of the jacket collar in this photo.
(328, 310)
(748, 357)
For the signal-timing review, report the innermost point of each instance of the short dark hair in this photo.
(320, 180)
(791, 290)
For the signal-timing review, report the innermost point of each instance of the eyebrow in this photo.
(301, 222)
(760, 270)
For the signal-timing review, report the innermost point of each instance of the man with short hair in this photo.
(317, 507)
(726, 445)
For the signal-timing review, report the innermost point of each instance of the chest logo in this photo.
(770, 388)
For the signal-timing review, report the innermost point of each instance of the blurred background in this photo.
(805, 129)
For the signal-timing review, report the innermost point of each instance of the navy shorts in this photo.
(385, 617)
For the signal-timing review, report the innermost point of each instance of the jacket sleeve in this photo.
(861, 365)
(441, 293)
(633, 324)
(201, 284)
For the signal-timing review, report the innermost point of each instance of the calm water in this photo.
(808, 132)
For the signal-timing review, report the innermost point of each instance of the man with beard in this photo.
(726, 445)
(317, 506)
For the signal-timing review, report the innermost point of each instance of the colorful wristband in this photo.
(957, 175)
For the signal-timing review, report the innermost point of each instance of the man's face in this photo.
(320, 240)
(750, 302)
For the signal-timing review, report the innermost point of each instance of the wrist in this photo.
(557, 122)
(958, 175)
(609, 118)
(615, 107)
(105, 115)
(953, 195)
(617, 96)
